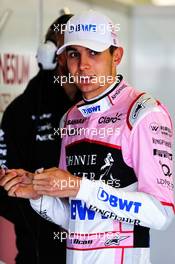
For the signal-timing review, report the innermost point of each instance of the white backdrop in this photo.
(152, 68)
(18, 43)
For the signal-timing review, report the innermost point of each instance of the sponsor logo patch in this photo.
(162, 154)
(114, 201)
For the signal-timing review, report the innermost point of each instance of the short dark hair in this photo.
(53, 31)
(112, 48)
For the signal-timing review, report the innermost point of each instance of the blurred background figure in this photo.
(28, 141)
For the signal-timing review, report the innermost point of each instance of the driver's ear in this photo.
(61, 59)
(117, 55)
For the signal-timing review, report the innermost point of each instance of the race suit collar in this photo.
(106, 92)
(103, 102)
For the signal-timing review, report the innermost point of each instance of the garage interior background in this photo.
(147, 33)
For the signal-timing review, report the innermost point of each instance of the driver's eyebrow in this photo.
(70, 48)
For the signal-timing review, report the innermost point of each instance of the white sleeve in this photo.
(122, 204)
(52, 209)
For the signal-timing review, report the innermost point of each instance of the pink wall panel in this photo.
(7, 242)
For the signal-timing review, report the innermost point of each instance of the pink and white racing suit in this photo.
(121, 145)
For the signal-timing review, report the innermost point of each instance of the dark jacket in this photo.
(29, 142)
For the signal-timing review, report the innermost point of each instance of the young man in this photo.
(116, 157)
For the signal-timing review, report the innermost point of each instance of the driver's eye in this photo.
(72, 54)
(93, 52)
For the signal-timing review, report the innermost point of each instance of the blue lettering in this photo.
(91, 109)
(83, 27)
(125, 203)
(137, 205)
(102, 195)
(86, 28)
(78, 27)
(77, 207)
(94, 28)
(82, 212)
(115, 201)
(95, 108)
(71, 29)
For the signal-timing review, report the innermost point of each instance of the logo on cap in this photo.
(82, 27)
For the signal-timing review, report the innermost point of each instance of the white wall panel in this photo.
(52, 9)
(18, 43)
(152, 69)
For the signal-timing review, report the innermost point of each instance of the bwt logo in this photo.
(81, 212)
(120, 203)
(82, 27)
(91, 109)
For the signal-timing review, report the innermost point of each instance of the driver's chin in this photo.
(86, 87)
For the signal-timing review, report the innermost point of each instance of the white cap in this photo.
(46, 55)
(90, 30)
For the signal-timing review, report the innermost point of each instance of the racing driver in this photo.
(115, 178)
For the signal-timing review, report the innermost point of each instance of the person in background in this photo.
(27, 140)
